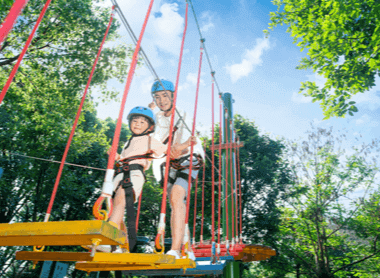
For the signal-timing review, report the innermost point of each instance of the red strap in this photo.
(115, 142)
(220, 167)
(195, 207)
(226, 188)
(163, 203)
(203, 196)
(75, 123)
(14, 70)
(193, 132)
(11, 18)
(239, 180)
(212, 162)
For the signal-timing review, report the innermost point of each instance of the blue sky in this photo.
(260, 73)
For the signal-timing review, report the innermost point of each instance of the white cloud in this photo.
(300, 98)
(367, 120)
(370, 99)
(252, 58)
(168, 29)
(207, 22)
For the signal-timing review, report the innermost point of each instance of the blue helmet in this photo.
(158, 87)
(145, 112)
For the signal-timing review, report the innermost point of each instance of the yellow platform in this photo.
(124, 258)
(252, 253)
(60, 233)
(141, 265)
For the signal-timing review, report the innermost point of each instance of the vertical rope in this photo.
(161, 228)
(195, 208)
(115, 142)
(229, 162)
(192, 134)
(220, 172)
(203, 196)
(58, 178)
(233, 167)
(15, 68)
(226, 181)
(240, 192)
(213, 161)
(138, 210)
(11, 18)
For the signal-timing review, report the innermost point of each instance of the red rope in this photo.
(233, 167)
(203, 197)
(236, 188)
(212, 162)
(220, 168)
(58, 178)
(229, 162)
(226, 188)
(115, 142)
(240, 192)
(11, 18)
(193, 132)
(15, 68)
(138, 210)
(164, 195)
(195, 209)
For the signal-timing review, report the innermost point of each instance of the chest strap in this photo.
(126, 169)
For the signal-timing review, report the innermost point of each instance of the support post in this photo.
(232, 269)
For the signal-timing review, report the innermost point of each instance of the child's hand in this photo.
(192, 141)
(152, 105)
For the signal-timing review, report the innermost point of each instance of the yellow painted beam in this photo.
(60, 233)
(109, 266)
(124, 258)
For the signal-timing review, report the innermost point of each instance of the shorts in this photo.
(181, 181)
(137, 179)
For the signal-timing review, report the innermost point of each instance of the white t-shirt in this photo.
(180, 136)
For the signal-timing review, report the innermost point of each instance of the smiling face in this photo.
(163, 100)
(139, 124)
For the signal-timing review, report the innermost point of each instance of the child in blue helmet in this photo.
(133, 161)
(162, 92)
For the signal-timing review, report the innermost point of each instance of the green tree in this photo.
(39, 109)
(330, 222)
(342, 39)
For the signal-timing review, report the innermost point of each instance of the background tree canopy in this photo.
(342, 39)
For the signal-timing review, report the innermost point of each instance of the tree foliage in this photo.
(342, 39)
(330, 219)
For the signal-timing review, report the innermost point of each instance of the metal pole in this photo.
(232, 269)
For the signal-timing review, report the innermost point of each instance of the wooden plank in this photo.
(109, 266)
(60, 233)
(108, 258)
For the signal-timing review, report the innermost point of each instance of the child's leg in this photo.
(118, 212)
(137, 179)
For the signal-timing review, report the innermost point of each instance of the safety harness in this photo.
(177, 163)
(125, 168)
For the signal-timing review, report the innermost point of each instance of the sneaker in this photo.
(173, 253)
(119, 250)
(99, 248)
(191, 255)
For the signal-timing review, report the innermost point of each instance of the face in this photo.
(139, 124)
(163, 100)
